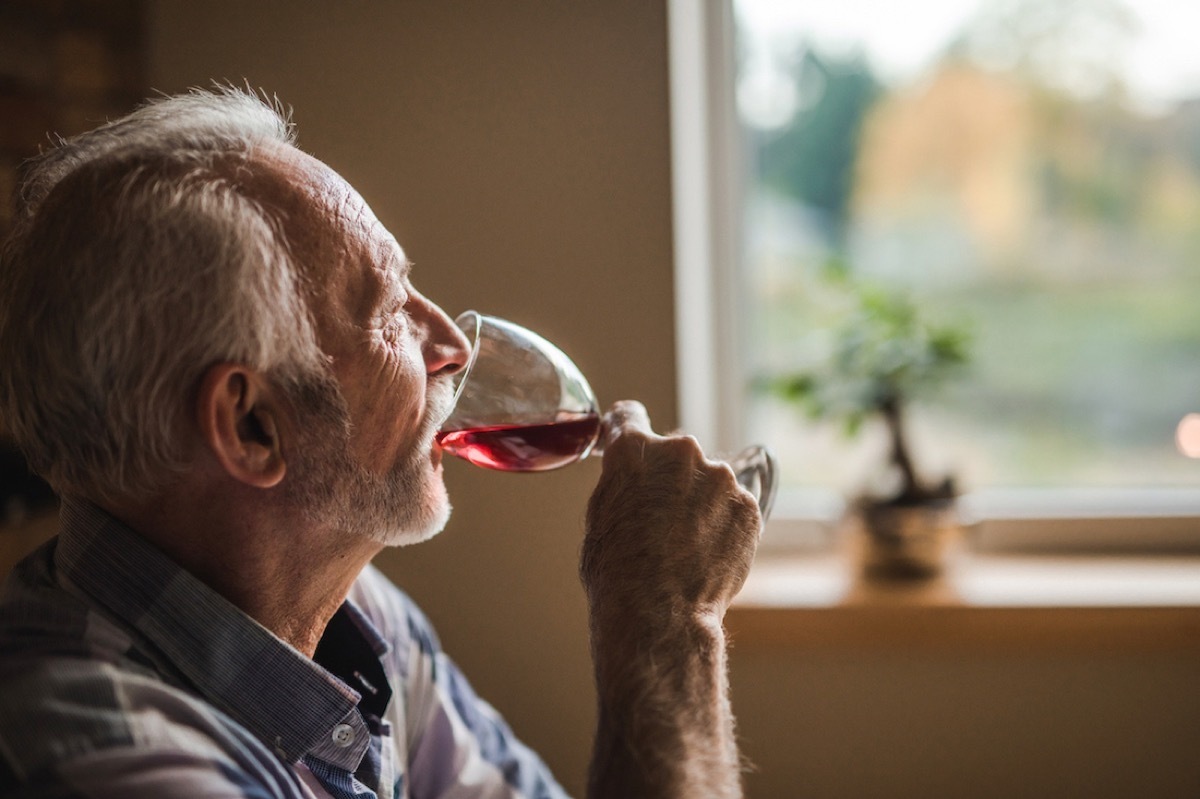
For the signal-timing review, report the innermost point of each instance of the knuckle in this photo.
(720, 477)
(628, 406)
(684, 447)
(627, 442)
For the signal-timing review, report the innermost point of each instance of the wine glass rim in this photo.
(474, 329)
(472, 323)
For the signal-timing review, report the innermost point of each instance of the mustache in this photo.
(439, 402)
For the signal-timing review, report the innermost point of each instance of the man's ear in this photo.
(238, 413)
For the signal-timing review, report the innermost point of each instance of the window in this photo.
(1029, 169)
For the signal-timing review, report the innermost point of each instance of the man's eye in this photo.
(396, 322)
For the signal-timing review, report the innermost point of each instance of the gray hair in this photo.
(139, 259)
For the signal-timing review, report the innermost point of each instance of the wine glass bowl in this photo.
(521, 405)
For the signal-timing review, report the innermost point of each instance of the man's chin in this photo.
(430, 520)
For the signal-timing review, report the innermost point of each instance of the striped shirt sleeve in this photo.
(456, 744)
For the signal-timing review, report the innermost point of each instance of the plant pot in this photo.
(907, 541)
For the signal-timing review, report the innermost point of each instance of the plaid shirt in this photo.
(121, 675)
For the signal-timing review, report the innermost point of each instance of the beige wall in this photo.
(519, 151)
(858, 721)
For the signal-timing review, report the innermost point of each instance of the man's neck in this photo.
(287, 574)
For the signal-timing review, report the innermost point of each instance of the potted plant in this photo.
(881, 356)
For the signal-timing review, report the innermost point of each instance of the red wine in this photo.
(523, 448)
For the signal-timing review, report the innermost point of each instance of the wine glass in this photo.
(521, 405)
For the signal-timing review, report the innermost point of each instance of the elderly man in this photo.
(214, 351)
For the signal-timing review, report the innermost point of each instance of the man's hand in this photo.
(670, 539)
(669, 532)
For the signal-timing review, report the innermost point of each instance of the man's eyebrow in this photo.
(401, 267)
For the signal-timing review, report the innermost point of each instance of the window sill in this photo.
(984, 602)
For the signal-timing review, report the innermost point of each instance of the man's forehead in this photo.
(351, 259)
(315, 198)
(314, 180)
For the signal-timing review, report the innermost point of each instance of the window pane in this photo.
(1027, 168)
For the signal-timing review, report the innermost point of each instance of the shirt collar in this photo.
(285, 699)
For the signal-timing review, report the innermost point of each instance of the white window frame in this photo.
(707, 196)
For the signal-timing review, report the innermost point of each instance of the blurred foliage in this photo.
(812, 159)
(881, 352)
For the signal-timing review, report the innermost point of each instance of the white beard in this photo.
(405, 506)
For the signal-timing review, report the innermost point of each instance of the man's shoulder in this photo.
(58, 710)
(77, 694)
(81, 727)
(39, 618)
(76, 700)
(53, 708)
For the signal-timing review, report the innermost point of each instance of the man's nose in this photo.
(447, 348)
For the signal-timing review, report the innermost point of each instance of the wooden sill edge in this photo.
(982, 604)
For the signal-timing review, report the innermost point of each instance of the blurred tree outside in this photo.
(1020, 181)
(813, 159)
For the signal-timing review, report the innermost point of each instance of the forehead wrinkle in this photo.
(327, 225)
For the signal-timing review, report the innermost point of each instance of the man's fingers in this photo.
(626, 416)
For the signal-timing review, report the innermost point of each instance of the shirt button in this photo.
(343, 735)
